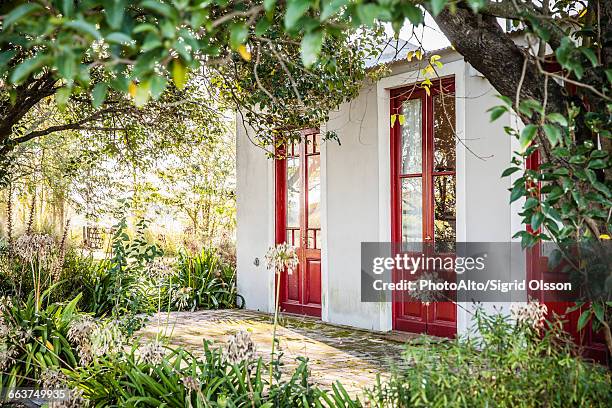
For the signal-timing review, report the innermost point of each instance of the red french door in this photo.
(423, 193)
(298, 221)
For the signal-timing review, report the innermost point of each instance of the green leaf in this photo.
(367, 13)
(590, 54)
(62, 95)
(527, 107)
(531, 203)
(584, 319)
(98, 95)
(295, 10)
(179, 73)
(84, 27)
(158, 85)
(262, 26)
(598, 309)
(505, 99)
(18, 13)
(269, 5)
(67, 7)
(414, 14)
(118, 38)
(437, 6)
(114, 13)
(311, 47)
(331, 7)
(158, 7)
(536, 220)
(517, 192)
(527, 136)
(509, 171)
(557, 118)
(553, 134)
(238, 35)
(497, 111)
(23, 70)
(66, 65)
(602, 188)
(142, 94)
(598, 164)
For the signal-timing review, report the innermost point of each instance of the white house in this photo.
(433, 176)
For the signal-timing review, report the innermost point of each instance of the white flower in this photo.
(7, 356)
(52, 378)
(160, 268)
(152, 353)
(182, 297)
(191, 383)
(240, 347)
(532, 313)
(93, 339)
(282, 256)
(35, 246)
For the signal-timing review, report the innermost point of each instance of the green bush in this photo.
(32, 341)
(204, 281)
(508, 365)
(146, 377)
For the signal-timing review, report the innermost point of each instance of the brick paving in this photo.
(335, 353)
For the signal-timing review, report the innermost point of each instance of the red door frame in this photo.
(305, 254)
(425, 322)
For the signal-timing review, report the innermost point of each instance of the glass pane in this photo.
(445, 215)
(293, 192)
(411, 152)
(314, 191)
(444, 132)
(412, 209)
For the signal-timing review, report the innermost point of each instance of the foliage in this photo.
(197, 182)
(508, 364)
(208, 282)
(34, 339)
(131, 53)
(180, 379)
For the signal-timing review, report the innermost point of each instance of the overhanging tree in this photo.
(142, 45)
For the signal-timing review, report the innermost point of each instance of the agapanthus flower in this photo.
(52, 378)
(182, 297)
(282, 257)
(34, 246)
(532, 313)
(152, 353)
(240, 347)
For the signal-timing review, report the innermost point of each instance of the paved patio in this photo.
(336, 353)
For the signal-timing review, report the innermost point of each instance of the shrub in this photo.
(33, 340)
(205, 281)
(152, 376)
(508, 365)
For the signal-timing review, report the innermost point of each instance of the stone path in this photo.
(336, 353)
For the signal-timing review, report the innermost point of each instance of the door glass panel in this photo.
(293, 192)
(444, 132)
(411, 153)
(412, 209)
(314, 191)
(445, 215)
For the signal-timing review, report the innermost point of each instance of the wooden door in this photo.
(423, 192)
(298, 222)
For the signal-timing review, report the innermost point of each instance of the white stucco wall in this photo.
(356, 193)
(255, 217)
